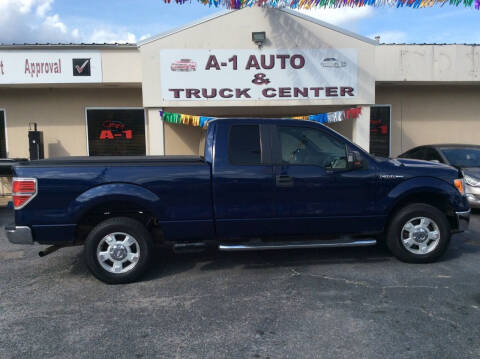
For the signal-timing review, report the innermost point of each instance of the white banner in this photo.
(42, 66)
(292, 74)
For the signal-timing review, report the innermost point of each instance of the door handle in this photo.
(284, 181)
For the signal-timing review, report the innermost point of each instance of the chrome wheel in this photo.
(118, 252)
(420, 235)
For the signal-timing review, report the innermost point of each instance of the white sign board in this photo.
(201, 75)
(42, 66)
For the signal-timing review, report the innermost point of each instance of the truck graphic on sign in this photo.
(184, 65)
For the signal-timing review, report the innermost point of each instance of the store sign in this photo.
(38, 67)
(201, 75)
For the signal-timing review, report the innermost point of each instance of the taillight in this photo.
(23, 191)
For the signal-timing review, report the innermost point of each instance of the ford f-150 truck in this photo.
(261, 184)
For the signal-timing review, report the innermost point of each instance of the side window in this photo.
(416, 154)
(432, 155)
(308, 146)
(244, 145)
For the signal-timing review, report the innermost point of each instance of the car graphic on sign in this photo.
(184, 65)
(333, 62)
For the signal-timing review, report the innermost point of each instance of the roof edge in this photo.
(67, 46)
(329, 26)
(184, 27)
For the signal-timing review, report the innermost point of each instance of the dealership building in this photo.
(98, 99)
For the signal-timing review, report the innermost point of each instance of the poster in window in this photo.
(3, 140)
(116, 132)
(380, 131)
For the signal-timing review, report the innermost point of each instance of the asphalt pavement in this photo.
(328, 303)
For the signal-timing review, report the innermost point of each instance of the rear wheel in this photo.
(418, 233)
(118, 250)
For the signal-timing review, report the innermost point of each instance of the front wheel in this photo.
(118, 250)
(418, 233)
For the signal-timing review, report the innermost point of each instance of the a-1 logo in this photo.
(115, 129)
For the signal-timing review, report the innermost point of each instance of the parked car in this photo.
(261, 184)
(184, 65)
(463, 157)
(333, 62)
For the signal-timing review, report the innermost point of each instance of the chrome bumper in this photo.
(463, 219)
(19, 234)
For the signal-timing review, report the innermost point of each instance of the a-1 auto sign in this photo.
(258, 74)
(36, 67)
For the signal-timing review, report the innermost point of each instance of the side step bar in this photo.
(257, 246)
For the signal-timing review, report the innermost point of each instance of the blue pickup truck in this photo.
(261, 184)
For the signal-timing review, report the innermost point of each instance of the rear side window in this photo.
(244, 145)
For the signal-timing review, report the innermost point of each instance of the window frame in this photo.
(276, 148)
(117, 108)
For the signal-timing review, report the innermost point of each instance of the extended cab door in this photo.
(316, 192)
(242, 179)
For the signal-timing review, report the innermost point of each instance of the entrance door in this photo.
(380, 131)
(3, 139)
(316, 193)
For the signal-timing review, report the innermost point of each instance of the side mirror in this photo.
(354, 160)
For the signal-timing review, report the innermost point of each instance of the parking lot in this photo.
(329, 303)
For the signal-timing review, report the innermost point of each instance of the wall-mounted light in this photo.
(259, 38)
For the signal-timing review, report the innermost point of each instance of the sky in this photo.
(99, 21)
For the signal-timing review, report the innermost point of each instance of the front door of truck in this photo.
(242, 176)
(315, 190)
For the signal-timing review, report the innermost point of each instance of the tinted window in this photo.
(463, 157)
(116, 132)
(308, 146)
(416, 153)
(244, 145)
(432, 155)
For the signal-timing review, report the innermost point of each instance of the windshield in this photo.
(463, 157)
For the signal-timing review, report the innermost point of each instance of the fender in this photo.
(423, 185)
(112, 192)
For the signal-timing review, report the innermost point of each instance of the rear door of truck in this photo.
(243, 182)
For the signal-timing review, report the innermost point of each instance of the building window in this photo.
(3, 137)
(116, 132)
(380, 130)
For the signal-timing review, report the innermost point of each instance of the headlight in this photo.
(471, 181)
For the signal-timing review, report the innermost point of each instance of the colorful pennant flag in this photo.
(309, 4)
(202, 121)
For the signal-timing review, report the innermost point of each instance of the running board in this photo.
(258, 246)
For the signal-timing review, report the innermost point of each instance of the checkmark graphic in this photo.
(81, 68)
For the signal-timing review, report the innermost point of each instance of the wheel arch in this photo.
(113, 200)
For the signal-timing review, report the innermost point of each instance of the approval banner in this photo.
(37, 67)
(258, 75)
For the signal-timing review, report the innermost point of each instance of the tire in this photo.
(411, 240)
(118, 250)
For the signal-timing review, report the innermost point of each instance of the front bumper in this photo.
(463, 219)
(19, 234)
